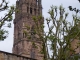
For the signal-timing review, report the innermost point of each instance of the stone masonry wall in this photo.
(10, 56)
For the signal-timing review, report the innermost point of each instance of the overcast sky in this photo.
(7, 44)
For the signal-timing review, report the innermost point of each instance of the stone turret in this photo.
(23, 43)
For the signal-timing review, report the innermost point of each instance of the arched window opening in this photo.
(35, 11)
(30, 10)
(33, 32)
(37, 2)
(27, 9)
(24, 34)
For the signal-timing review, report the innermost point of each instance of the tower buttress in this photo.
(24, 39)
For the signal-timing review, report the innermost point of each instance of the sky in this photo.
(7, 44)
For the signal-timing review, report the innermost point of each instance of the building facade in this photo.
(24, 38)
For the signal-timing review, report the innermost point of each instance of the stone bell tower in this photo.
(24, 38)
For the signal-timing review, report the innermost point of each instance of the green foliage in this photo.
(6, 19)
(60, 34)
(2, 34)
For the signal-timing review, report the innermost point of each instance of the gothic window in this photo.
(30, 10)
(33, 32)
(37, 2)
(35, 11)
(24, 34)
(27, 9)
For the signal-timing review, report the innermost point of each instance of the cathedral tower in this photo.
(24, 39)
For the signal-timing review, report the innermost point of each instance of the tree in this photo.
(6, 20)
(60, 34)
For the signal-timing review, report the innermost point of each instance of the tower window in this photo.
(24, 35)
(38, 11)
(35, 11)
(30, 10)
(27, 9)
(37, 2)
(33, 32)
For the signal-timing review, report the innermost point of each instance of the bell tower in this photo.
(24, 38)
